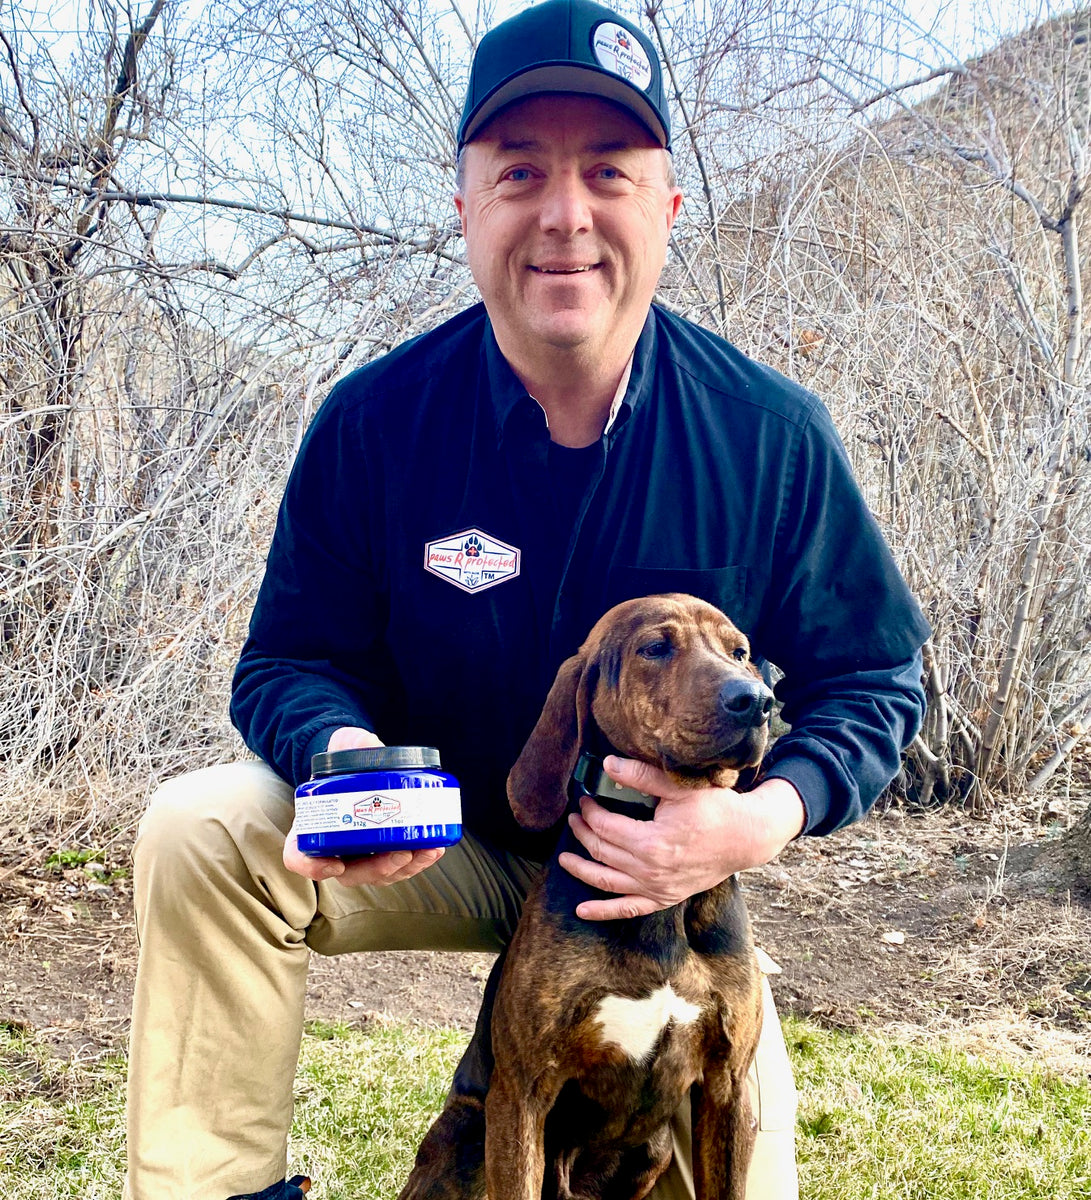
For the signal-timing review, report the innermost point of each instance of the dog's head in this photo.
(664, 679)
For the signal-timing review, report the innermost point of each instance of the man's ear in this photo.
(674, 207)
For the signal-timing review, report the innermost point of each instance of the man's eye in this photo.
(518, 174)
(609, 173)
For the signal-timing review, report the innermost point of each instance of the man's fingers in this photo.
(618, 909)
(586, 836)
(597, 874)
(307, 865)
(611, 828)
(380, 869)
(352, 737)
(597, 840)
(630, 772)
(369, 870)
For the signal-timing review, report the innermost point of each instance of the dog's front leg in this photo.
(723, 1136)
(515, 1116)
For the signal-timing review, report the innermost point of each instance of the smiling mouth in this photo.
(566, 270)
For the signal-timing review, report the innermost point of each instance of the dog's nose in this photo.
(748, 701)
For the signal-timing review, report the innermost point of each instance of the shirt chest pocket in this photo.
(728, 588)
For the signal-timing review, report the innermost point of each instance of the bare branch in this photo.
(652, 10)
(5, 126)
(157, 199)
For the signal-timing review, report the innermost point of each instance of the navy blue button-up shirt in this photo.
(418, 583)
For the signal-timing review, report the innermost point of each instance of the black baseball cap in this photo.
(566, 46)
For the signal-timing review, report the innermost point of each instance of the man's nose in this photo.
(566, 205)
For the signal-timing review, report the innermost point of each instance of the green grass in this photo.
(364, 1099)
(65, 859)
(61, 1124)
(93, 861)
(879, 1119)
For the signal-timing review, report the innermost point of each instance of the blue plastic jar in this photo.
(376, 800)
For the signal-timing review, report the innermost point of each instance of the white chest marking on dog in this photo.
(635, 1025)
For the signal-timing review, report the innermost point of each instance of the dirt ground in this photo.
(924, 922)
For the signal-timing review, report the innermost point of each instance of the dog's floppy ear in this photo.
(538, 782)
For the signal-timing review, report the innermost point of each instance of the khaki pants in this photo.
(225, 936)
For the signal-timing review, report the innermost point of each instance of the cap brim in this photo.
(566, 77)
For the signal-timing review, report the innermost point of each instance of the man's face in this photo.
(566, 211)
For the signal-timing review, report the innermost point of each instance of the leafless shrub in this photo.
(157, 379)
(920, 265)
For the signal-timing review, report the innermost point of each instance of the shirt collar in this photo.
(619, 395)
(508, 394)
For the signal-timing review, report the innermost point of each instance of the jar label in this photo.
(393, 809)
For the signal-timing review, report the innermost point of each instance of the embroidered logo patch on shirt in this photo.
(472, 560)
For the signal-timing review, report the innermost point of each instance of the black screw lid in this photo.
(374, 758)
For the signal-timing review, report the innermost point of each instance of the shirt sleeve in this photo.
(846, 740)
(314, 657)
(842, 625)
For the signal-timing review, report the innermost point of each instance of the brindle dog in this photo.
(600, 1029)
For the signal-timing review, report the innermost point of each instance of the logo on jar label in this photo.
(472, 560)
(377, 810)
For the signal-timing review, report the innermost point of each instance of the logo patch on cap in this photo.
(618, 51)
(472, 560)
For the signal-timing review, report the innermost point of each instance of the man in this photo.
(595, 448)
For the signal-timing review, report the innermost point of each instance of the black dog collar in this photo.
(591, 776)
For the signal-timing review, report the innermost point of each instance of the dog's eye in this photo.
(740, 653)
(657, 649)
